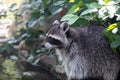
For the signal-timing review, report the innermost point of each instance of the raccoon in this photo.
(84, 51)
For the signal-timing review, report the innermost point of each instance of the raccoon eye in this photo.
(53, 41)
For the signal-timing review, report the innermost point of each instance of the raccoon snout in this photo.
(48, 45)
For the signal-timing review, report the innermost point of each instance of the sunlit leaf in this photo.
(75, 8)
(93, 5)
(36, 61)
(72, 9)
(71, 1)
(78, 8)
(30, 58)
(58, 3)
(112, 26)
(106, 1)
(80, 22)
(71, 18)
(88, 11)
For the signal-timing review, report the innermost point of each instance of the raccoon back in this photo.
(93, 46)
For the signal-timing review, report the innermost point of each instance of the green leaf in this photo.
(30, 58)
(93, 5)
(71, 18)
(55, 9)
(44, 2)
(9, 48)
(108, 34)
(30, 1)
(118, 26)
(74, 7)
(118, 18)
(58, 3)
(117, 0)
(6, 47)
(117, 37)
(2, 48)
(80, 22)
(115, 44)
(88, 11)
(36, 61)
(89, 17)
(118, 11)
(118, 14)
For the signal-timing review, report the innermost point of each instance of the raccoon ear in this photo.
(65, 26)
(56, 22)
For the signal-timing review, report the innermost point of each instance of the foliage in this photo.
(7, 48)
(41, 10)
(113, 35)
(106, 12)
(101, 11)
(27, 34)
(3, 10)
(9, 72)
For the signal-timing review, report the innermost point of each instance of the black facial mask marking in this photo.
(53, 41)
(68, 34)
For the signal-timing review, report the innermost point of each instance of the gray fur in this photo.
(85, 52)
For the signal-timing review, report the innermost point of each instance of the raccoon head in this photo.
(56, 36)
